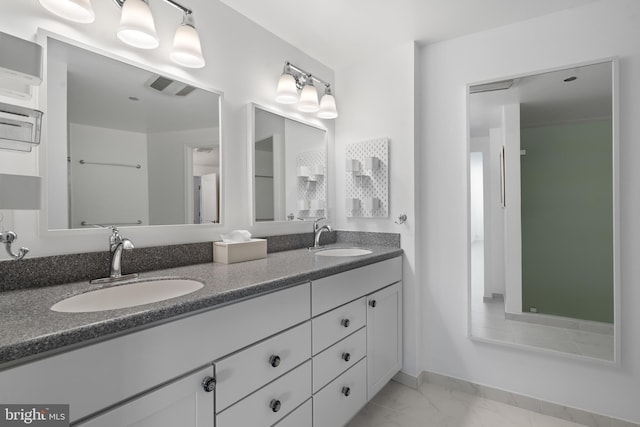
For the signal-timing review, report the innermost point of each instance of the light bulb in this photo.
(137, 28)
(73, 10)
(328, 108)
(287, 92)
(187, 50)
(309, 98)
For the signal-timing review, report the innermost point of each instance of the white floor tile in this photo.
(434, 406)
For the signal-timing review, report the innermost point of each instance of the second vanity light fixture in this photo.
(137, 27)
(293, 79)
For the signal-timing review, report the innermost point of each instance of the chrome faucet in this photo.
(317, 232)
(117, 244)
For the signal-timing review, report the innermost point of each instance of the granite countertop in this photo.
(31, 330)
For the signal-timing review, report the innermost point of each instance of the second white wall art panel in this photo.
(369, 182)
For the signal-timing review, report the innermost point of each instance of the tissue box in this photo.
(230, 253)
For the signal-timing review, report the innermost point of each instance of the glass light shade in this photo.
(187, 50)
(328, 108)
(73, 10)
(137, 28)
(287, 91)
(308, 99)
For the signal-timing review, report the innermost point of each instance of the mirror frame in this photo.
(615, 81)
(42, 37)
(251, 121)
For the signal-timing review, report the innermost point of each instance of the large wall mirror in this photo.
(543, 195)
(127, 146)
(289, 167)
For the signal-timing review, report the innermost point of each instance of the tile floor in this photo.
(488, 322)
(434, 406)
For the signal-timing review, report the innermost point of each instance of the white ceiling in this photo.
(100, 91)
(337, 31)
(546, 99)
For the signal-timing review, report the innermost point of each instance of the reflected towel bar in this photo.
(104, 225)
(84, 162)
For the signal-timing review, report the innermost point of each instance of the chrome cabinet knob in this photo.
(346, 356)
(209, 384)
(274, 361)
(346, 391)
(345, 323)
(275, 405)
(373, 303)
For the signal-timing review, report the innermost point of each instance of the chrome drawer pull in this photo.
(275, 405)
(345, 323)
(274, 361)
(346, 391)
(346, 356)
(209, 384)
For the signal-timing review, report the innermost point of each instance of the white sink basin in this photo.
(127, 295)
(343, 252)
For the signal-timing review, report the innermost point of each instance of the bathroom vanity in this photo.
(285, 352)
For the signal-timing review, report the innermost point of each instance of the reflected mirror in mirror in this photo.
(290, 168)
(127, 146)
(542, 211)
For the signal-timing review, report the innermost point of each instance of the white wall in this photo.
(477, 158)
(512, 209)
(108, 194)
(494, 229)
(602, 29)
(244, 61)
(376, 99)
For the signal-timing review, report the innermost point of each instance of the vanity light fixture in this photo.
(287, 92)
(187, 50)
(73, 10)
(138, 30)
(309, 97)
(293, 79)
(137, 27)
(328, 105)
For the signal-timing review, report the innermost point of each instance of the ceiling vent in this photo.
(169, 86)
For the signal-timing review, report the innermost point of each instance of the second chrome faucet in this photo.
(317, 232)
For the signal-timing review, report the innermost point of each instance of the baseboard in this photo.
(579, 416)
(408, 380)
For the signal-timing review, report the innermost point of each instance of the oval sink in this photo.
(343, 252)
(127, 295)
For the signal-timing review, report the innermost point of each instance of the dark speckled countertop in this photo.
(31, 330)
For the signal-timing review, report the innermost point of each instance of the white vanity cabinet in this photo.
(185, 402)
(384, 337)
(130, 370)
(308, 355)
(357, 338)
(260, 385)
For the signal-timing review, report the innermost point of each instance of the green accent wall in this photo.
(567, 220)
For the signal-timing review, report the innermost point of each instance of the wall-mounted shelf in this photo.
(19, 127)
(310, 168)
(367, 179)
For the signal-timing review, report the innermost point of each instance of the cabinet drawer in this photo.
(341, 288)
(250, 369)
(338, 358)
(268, 405)
(338, 402)
(181, 403)
(301, 417)
(337, 324)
